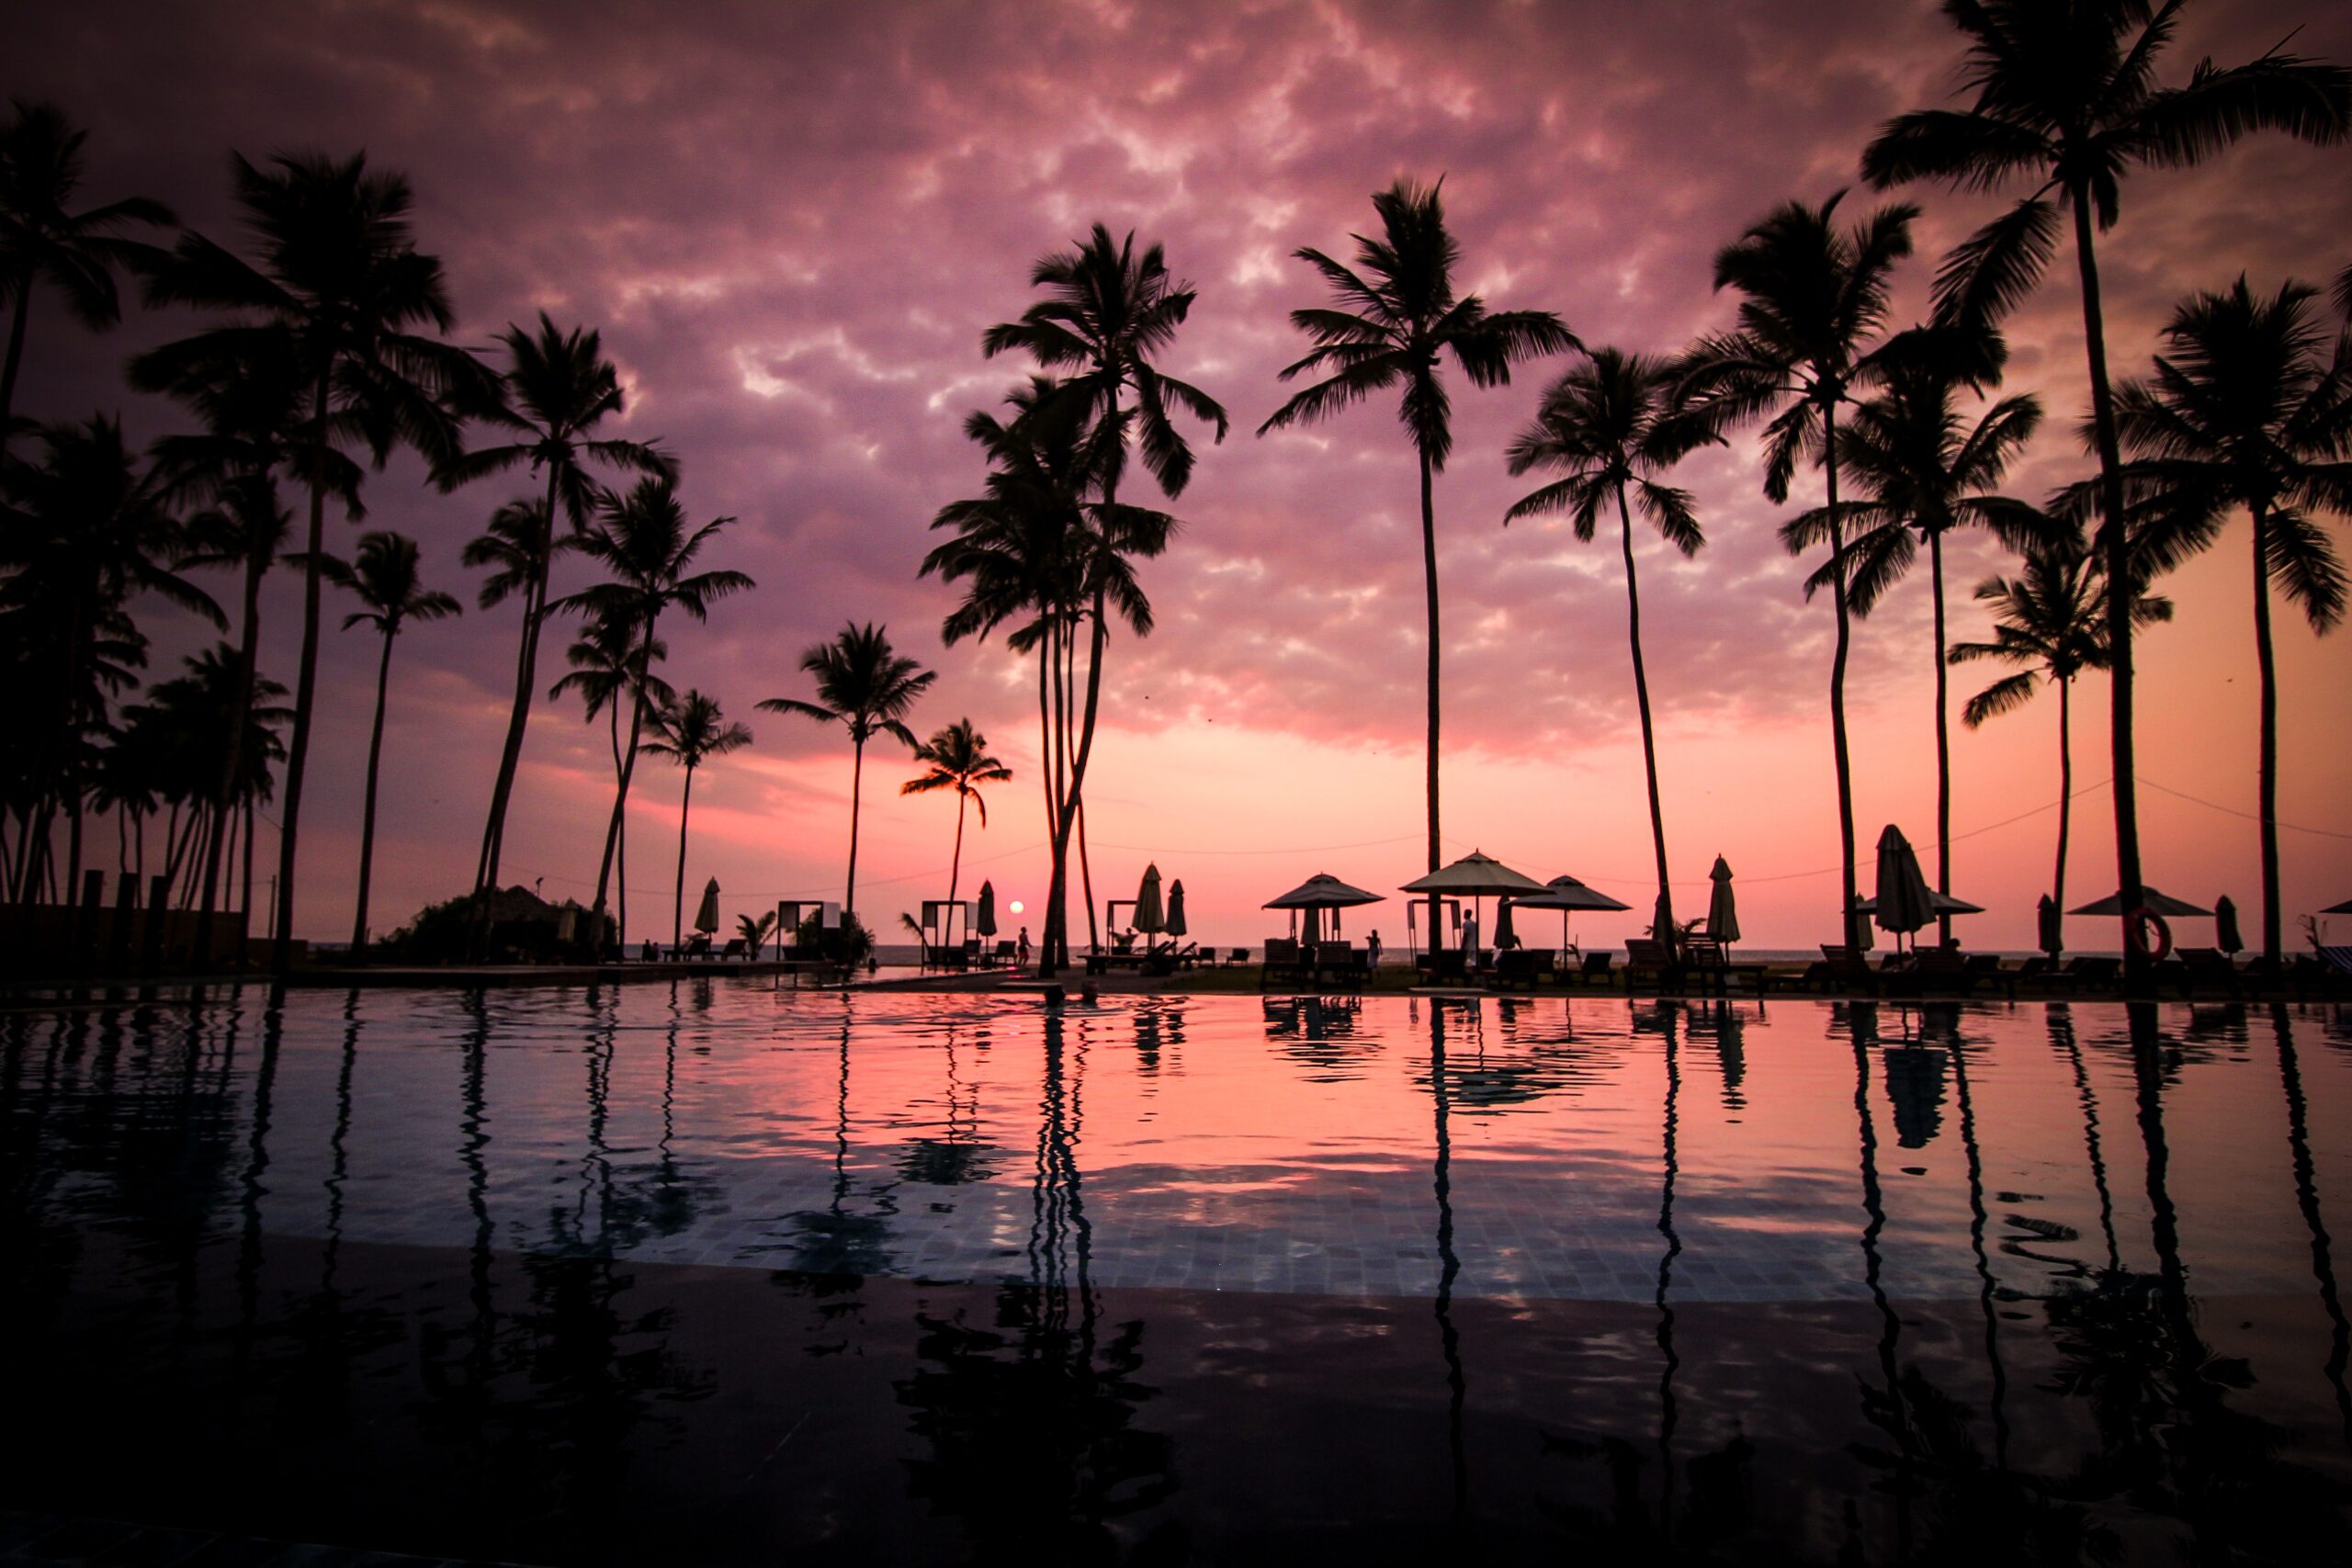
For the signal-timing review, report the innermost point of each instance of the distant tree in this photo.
(958, 757)
(1397, 316)
(558, 386)
(1607, 425)
(867, 688)
(339, 270)
(690, 730)
(74, 253)
(383, 576)
(605, 673)
(2250, 408)
(2065, 95)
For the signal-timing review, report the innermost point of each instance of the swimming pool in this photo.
(711, 1272)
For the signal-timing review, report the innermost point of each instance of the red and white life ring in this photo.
(2149, 933)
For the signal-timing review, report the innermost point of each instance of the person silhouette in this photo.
(1372, 950)
(1024, 947)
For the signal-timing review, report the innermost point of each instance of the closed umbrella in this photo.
(1903, 902)
(2049, 925)
(1504, 935)
(1176, 926)
(2225, 926)
(1149, 918)
(1311, 930)
(986, 921)
(1723, 912)
(707, 912)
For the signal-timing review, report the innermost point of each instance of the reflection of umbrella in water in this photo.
(1915, 1082)
(707, 912)
(985, 924)
(2225, 926)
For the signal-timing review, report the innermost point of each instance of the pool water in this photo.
(710, 1272)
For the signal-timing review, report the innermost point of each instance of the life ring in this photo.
(2149, 934)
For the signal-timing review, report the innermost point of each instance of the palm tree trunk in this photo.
(620, 899)
(239, 717)
(1049, 773)
(246, 894)
(367, 811)
(1642, 700)
(2122, 592)
(306, 686)
(856, 793)
(510, 759)
(956, 861)
(1099, 638)
(1943, 738)
(2266, 768)
(1429, 574)
(2065, 794)
(23, 284)
(620, 797)
(678, 904)
(1838, 680)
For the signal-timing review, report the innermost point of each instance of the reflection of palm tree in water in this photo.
(473, 1137)
(2062, 1034)
(1667, 1411)
(2290, 1078)
(1947, 1019)
(1886, 1409)
(1449, 1265)
(251, 1189)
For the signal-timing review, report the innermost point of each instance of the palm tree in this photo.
(558, 385)
(605, 661)
(1926, 471)
(641, 540)
(2250, 407)
(690, 731)
(1606, 426)
(1814, 297)
(2066, 94)
(382, 576)
(2052, 622)
(340, 271)
(1106, 314)
(958, 757)
(74, 253)
(1399, 316)
(865, 687)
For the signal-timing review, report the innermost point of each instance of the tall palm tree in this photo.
(1926, 471)
(1814, 298)
(690, 730)
(958, 757)
(383, 576)
(2052, 622)
(74, 253)
(1107, 314)
(558, 386)
(643, 541)
(1032, 550)
(1399, 317)
(338, 268)
(2066, 94)
(866, 687)
(1607, 425)
(88, 527)
(2250, 408)
(604, 663)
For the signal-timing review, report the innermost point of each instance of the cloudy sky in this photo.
(792, 224)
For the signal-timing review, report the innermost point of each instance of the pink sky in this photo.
(792, 224)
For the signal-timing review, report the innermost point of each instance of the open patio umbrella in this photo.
(1149, 918)
(1324, 891)
(1905, 903)
(1568, 896)
(2343, 909)
(2225, 926)
(985, 922)
(1941, 903)
(707, 912)
(2049, 925)
(1473, 876)
(1176, 926)
(1723, 912)
(2149, 899)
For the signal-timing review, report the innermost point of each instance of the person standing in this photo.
(1470, 944)
(1371, 951)
(1024, 947)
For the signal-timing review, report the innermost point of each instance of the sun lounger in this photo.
(1842, 969)
(1284, 964)
(1237, 956)
(1649, 960)
(736, 948)
(1595, 970)
(2093, 974)
(1522, 968)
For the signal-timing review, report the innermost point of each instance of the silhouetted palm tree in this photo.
(1608, 424)
(89, 527)
(382, 576)
(2066, 94)
(605, 672)
(641, 540)
(339, 269)
(865, 687)
(958, 757)
(690, 730)
(1106, 314)
(1399, 316)
(1926, 471)
(558, 385)
(2052, 621)
(1814, 296)
(2250, 407)
(74, 253)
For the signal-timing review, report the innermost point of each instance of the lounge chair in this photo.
(1520, 966)
(1282, 962)
(1341, 961)
(1648, 959)
(697, 947)
(2093, 974)
(1983, 972)
(1237, 956)
(736, 948)
(2210, 972)
(1842, 969)
(1596, 970)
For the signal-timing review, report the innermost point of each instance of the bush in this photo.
(850, 943)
